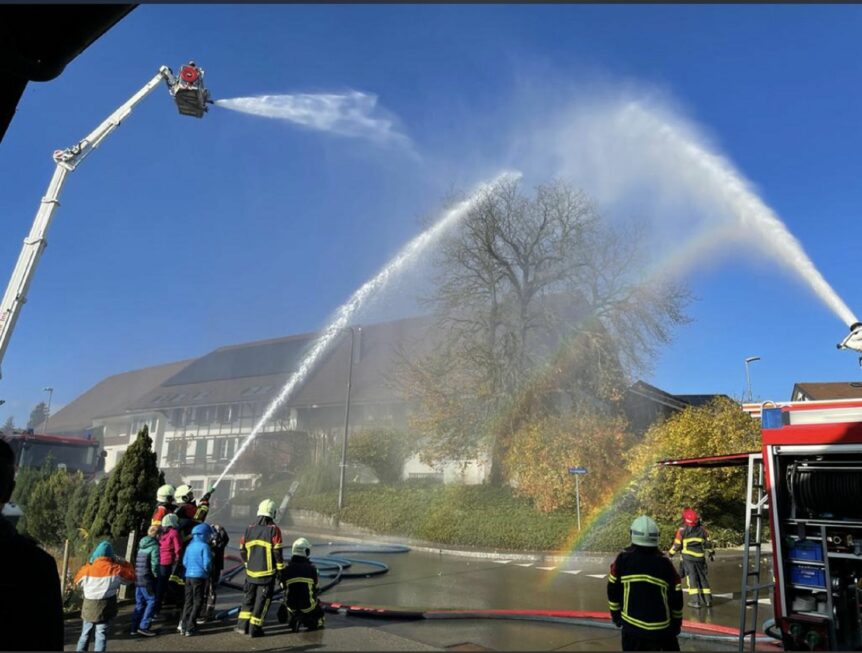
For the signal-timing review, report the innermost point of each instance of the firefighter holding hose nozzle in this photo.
(301, 584)
(190, 512)
(692, 541)
(645, 592)
(260, 547)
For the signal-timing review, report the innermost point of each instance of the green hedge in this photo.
(465, 515)
(476, 515)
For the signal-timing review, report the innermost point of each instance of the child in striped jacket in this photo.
(100, 580)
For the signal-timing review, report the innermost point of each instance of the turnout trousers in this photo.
(255, 604)
(313, 619)
(698, 580)
(635, 642)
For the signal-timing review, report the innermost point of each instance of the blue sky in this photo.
(178, 235)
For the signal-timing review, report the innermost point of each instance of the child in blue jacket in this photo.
(198, 563)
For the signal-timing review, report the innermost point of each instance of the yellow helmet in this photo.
(184, 493)
(165, 493)
(266, 508)
(301, 547)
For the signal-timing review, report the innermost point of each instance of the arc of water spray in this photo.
(751, 211)
(343, 315)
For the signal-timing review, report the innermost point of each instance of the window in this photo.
(224, 414)
(202, 415)
(176, 452)
(177, 417)
(243, 485)
(200, 451)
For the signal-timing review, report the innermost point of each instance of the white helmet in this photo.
(171, 520)
(301, 547)
(266, 509)
(184, 493)
(165, 493)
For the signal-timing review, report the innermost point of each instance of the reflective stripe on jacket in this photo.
(692, 541)
(301, 584)
(260, 547)
(645, 592)
(161, 510)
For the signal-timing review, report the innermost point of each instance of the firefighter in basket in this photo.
(692, 541)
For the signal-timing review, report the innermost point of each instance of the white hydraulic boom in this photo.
(191, 98)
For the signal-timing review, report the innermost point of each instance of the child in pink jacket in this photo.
(170, 546)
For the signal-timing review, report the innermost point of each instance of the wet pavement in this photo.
(426, 581)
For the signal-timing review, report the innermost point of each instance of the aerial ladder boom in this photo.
(191, 98)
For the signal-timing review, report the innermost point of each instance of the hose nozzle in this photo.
(853, 340)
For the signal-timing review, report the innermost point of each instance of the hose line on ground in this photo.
(334, 568)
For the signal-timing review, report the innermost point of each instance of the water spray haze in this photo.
(409, 253)
(353, 113)
(753, 214)
(642, 157)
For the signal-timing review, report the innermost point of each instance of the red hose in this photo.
(387, 613)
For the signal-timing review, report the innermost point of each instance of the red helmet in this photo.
(689, 516)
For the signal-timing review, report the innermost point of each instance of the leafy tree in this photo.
(383, 450)
(38, 415)
(90, 511)
(720, 427)
(27, 478)
(9, 426)
(45, 515)
(80, 490)
(542, 451)
(527, 282)
(126, 501)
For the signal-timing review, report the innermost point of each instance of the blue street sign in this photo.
(577, 470)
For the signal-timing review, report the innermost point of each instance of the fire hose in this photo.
(335, 569)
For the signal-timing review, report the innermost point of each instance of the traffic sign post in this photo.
(577, 472)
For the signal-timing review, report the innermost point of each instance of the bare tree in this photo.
(539, 304)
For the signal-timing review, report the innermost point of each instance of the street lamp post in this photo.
(50, 392)
(346, 421)
(748, 360)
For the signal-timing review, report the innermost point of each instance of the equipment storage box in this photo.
(806, 575)
(806, 550)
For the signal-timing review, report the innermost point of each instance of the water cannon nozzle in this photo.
(853, 340)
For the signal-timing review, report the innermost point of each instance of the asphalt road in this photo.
(427, 581)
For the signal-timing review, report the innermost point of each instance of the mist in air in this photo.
(637, 155)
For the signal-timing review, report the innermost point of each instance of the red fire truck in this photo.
(808, 475)
(74, 454)
(70, 453)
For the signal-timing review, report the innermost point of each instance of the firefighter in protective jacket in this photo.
(165, 505)
(260, 547)
(301, 585)
(692, 541)
(645, 593)
(190, 512)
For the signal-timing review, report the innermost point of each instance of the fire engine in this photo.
(812, 454)
(70, 453)
(74, 454)
(807, 481)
